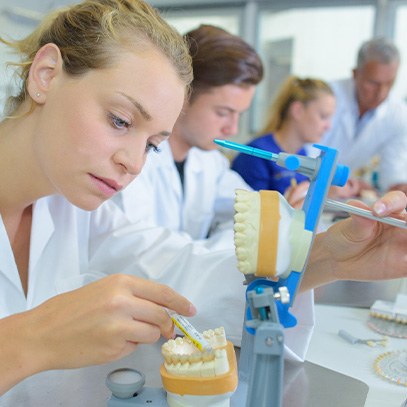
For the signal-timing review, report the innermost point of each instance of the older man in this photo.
(369, 121)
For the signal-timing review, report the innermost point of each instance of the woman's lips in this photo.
(107, 186)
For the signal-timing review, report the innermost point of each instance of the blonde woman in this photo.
(300, 114)
(102, 83)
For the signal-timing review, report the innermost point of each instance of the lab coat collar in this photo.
(193, 161)
(8, 266)
(378, 112)
(42, 227)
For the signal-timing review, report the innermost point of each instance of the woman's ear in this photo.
(296, 109)
(46, 66)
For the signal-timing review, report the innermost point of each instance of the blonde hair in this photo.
(293, 89)
(90, 34)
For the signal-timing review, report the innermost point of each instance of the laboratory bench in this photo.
(335, 374)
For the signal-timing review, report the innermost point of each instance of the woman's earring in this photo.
(38, 94)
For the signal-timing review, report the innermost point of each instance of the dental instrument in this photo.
(341, 206)
(370, 342)
(293, 162)
(189, 331)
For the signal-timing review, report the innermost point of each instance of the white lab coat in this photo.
(205, 207)
(383, 134)
(71, 247)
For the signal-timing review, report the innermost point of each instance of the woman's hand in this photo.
(399, 187)
(351, 189)
(295, 195)
(98, 323)
(359, 248)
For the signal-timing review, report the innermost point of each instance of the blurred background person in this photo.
(300, 114)
(371, 123)
(191, 173)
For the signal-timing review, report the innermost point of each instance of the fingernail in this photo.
(192, 309)
(379, 208)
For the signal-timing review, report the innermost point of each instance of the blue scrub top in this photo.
(265, 174)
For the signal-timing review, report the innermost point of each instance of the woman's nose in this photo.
(132, 159)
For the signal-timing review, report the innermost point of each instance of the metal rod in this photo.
(335, 205)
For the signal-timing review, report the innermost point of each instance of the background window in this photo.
(317, 42)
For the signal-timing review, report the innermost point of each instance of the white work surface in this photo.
(86, 387)
(329, 350)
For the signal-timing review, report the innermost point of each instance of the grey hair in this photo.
(377, 49)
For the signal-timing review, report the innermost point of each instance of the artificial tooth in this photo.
(208, 355)
(175, 358)
(208, 334)
(241, 207)
(208, 369)
(183, 369)
(195, 369)
(239, 227)
(167, 356)
(221, 364)
(239, 235)
(241, 253)
(179, 340)
(195, 357)
(184, 358)
(170, 345)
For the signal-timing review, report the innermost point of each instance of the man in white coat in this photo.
(369, 120)
(192, 175)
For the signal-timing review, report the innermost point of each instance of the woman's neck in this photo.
(179, 147)
(288, 139)
(20, 182)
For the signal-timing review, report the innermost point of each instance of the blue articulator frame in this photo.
(324, 173)
(261, 362)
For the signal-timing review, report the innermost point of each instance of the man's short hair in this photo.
(377, 49)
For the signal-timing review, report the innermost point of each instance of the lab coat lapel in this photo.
(8, 266)
(169, 170)
(194, 214)
(42, 229)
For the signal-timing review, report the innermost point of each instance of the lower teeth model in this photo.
(197, 378)
(266, 230)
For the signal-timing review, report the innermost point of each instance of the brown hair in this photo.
(91, 33)
(220, 58)
(293, 89)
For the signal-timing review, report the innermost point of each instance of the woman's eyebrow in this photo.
(143, 112)
(138, 106)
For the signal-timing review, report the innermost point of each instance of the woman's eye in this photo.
(152, 147)
(118, 122)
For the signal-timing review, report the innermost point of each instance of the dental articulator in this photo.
(272, 241)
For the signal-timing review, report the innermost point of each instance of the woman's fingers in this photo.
(394, 202)
(163, 295)
(103, 321)
(296, 194)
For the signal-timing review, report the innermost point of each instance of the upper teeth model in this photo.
(266, 230)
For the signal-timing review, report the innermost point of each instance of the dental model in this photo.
(267, 229)
(392, 311)
(196, 378)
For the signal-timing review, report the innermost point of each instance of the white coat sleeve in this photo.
(393, 155)
(227, 183)
(209, 279)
